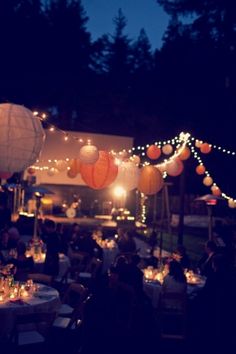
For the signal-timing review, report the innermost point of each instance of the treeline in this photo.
(119, 84)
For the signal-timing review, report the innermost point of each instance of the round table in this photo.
(153, 289)
(45, 299)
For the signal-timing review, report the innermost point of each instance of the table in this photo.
(153, 289)
(45, 299)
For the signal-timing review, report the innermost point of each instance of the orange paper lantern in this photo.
(75, 166)
(205, 148)
(198, 143)
(102, 173)
(71, 174)
(153, 152)
(174, 167)
(185, 153)
(150, 181)
(200, 169)
(207, 181)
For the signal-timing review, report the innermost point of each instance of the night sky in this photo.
(145, 14)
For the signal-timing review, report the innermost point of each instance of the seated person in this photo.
(205, 263)
(126, 243)
(23, 264)
(174, 283)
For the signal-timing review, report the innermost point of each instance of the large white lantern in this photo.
(88, 154)
(128, 175)
(21, 138)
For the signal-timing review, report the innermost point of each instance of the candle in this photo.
(25, 293)
(1, 298)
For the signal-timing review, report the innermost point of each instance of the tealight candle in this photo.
(25, 293)
(12, 296)
(1, 298)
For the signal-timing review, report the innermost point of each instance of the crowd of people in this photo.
(119, 300)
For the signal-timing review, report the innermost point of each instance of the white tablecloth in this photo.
(45, 299)
(153, 290)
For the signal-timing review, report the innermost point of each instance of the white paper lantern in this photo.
(128, 175)
(52, 171)
(167, 149)
(232, 203)
(88, 154)
(21, 138)
(61, 165)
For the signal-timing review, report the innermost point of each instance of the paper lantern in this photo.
(31, 170)
(61, 165)
(102, 173)
(232, 203)
(153, 152)
(71, 174)
(167, 149)
(207, 181)
(75, 165)
(216, 191)
(21, 138)
(174, 167)
(205, 148)
(128, 175)
(198, 143)
(88, 154)
(150, 180)
(200, 169)
(162, 167)
(5, 175)
(135, 159)
(52, 171)
(185, 154)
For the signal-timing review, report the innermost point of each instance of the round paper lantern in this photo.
(216, 191)
(128, 175)
(200, 169)
(88, 154)
(174, 167)
(167, 149)
(21, 138)
(153, 152)
(150, 180)
(185, 153)
(198, 143)
(71, 174)
(61, 165)
(102, 173)
(207, 181)
(52, 171)
(31, 170)
(205, 148)
(135, 159)
(5, 175)
(232, 203)
(75, 165)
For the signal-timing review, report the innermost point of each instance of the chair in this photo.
(73, 297)
(173, 316)
(41, 278)
(31, 329)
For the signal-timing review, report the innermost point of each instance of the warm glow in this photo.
(119, 192)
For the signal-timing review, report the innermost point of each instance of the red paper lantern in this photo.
(205, 148)
(185, 153)
(31, 170)
(150, 181)
(102, 173)
(174, 167)
(153, 152)
(216, 191)
(200, 169)
(5, 175)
